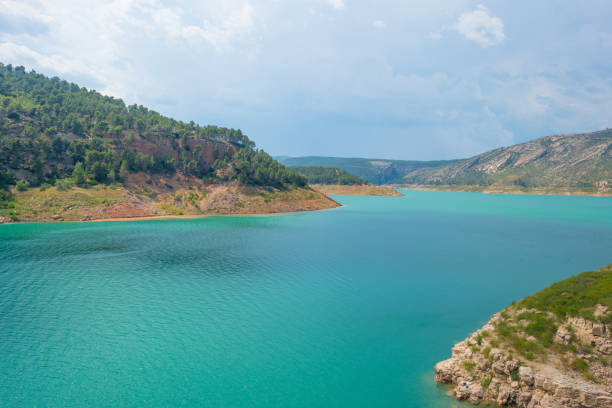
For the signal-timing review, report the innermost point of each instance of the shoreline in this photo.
(172, 217)
(122, 204)
(194, 216)
(366, 190)
(471, 189)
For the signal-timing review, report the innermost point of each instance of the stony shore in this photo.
(484, 370)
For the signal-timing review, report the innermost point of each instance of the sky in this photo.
(420, 80)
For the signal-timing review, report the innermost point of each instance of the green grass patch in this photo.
(575, 296)
(540, 326)
(580, 365)
(469, 366)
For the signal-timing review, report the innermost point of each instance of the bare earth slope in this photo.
(145, 196)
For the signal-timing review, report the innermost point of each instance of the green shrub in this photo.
(22, 185)
(540, 326)
(527, 348)
(486, 382)
(64, 184)
(469, 366)
(503, 329)
(580, 365)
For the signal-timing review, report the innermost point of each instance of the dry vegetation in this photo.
(362, 190)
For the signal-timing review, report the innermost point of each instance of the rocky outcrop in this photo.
(569, 163)
(482, 370)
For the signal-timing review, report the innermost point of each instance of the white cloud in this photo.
(247, 63)
(480, 27)
(56, 63)
(337, 4)
(380, 24)
(221, 33)
(22, 9)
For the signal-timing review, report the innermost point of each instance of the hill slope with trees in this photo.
(57, 135)
(376, 171)
(327, 175)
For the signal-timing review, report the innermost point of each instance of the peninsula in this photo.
(332, 180)
(551, 349)
(69, 153)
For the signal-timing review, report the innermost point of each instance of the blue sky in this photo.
(433, 79)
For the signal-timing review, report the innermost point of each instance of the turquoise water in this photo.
(350, 307)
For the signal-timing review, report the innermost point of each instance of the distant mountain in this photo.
(328, 175)
(563, 163)
(376, 171)
(572, 161)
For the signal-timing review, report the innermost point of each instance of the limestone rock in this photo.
(493, 378)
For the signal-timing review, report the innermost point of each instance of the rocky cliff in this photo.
(548, 350)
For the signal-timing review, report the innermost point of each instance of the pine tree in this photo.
(78, 174)
(124, 170)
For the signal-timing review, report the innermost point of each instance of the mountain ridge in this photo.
(568, 163)
(581, 162)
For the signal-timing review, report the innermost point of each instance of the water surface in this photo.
(350, 307)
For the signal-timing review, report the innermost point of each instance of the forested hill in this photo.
(328, 175)
(377, 171)
(53, 131)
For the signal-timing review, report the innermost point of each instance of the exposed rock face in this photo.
(561, 161)
(484, 373)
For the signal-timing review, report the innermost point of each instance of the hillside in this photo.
(572, 163)
(327, 175)
(551, 349)
(565, 163)
(55, 135)
(376, 171)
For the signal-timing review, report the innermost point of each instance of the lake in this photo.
(350, 307)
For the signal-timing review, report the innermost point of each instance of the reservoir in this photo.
(350, 307)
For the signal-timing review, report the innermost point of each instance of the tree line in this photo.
(53, 130)
(327, 175)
